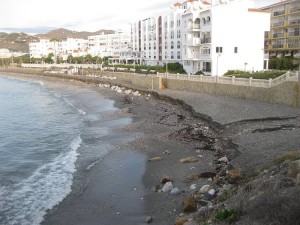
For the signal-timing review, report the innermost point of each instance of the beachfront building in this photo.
(117, 45)
(283, 40)
(5, 53)
(59, 48)
(211, 36)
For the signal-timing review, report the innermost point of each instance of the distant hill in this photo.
(64, 33)
(16, 41)
(20, 41)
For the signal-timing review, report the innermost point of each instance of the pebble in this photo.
(212, 192)
(175, 191)
(167, 187)
(148, 219)
(193, 186)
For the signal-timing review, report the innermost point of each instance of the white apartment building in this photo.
(213, 37)
(62, 48)
(115, 45)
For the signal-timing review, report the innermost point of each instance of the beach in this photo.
(149, 138)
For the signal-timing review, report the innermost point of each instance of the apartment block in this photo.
(211, 36)
(283, 40)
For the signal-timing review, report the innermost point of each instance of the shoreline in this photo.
(164, 125)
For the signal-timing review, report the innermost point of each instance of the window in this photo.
(172, 55)
(154, 46)
(235, 49)
(219, 49)
(172, 34)
(178, 34)
(166, 45)
(178, 44)
(178, 55)
(172, 45)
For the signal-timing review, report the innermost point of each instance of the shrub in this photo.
(227, 215)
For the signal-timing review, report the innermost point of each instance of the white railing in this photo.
(289, 76)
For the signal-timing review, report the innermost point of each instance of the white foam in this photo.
(48, 186)
(82, 112)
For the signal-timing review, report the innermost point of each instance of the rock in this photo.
(294, 168)
(204, 202)
(217, 179)
(189, 160)
(223, 159)
(167, 187)
(233, 176)
(119, 91)
(189, 205)
(211, 192)
(148, 219)
(175, 191)
(193, 186)
(181, 220)
(155, 159)
(204, 189)
(207, 174)
(165, 179)
(167, 152)
(128, 92)
(136, 93)
(193, 177)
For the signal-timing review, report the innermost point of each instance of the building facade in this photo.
(115, 45)
(283, 40)
(213, 37)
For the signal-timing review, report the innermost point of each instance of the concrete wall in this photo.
(286, 93)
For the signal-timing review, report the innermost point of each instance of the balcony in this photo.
(294, 34)
(278, 24)
(294, 10)
(193, 42)
(279, 13)
(277, 46)
(294, 22)
(278, 35)
(195, 27)
(205, 40)
(193, 56)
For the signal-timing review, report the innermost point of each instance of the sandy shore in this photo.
(159, 125)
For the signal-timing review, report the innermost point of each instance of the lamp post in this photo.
(218, 56)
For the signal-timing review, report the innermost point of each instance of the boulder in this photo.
(233, 176)
(204, 189)
(167, 187)
(165, 179)
(189, 205)
(181, 220)
(223, 159)
(148, 219)
(175, 191)
(188, 160)
(294, 168)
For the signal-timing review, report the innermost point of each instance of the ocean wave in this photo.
(82, 112)
(27, 202)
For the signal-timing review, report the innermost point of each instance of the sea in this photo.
(44, 131)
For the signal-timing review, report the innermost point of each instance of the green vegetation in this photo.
(227, 215)
(281, 64)
(172, 68)
(255, 75)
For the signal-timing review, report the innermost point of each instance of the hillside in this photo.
(20, 41)
(64, 33)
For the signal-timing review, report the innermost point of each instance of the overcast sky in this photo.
(40, 16)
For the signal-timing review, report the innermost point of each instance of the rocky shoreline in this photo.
(196, 166)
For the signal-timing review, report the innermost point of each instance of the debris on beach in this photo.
(155, 159)
(189, 160)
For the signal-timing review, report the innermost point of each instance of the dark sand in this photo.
(119, 188)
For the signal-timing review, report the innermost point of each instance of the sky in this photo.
(40, 16)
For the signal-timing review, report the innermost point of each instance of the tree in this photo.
(49, 58)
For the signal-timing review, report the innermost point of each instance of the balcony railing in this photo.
(278, 24)
(296, 9)
(194, 55)
(193, 41)
(294, 22)
(205, 40)
(278, 35)
(194, 27)
(294, 34)
(279, 13)
(277, 46)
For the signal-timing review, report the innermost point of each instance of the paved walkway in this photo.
(225, 110)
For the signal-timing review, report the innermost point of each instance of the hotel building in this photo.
(213, 37)
(283, 40)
